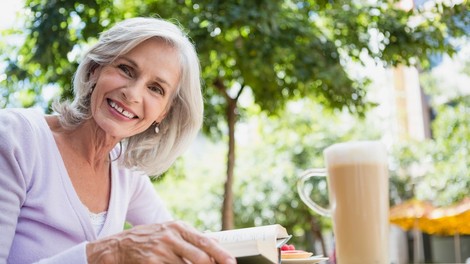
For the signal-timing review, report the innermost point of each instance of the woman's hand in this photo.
(171, 242)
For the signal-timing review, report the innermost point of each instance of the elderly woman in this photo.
(69, 182)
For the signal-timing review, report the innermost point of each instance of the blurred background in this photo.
(282, 81)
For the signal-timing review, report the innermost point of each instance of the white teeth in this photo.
(120, 110)
(129, 115)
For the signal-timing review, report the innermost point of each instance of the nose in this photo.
(134, 92)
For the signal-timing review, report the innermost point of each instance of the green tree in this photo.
(271, 156)
(437, 169)
(451, 175)
(274, 50)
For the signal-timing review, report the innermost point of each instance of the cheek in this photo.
(155, 109)
(93, 103)
(104, 85)
(97, 99)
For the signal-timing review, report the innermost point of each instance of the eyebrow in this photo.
(135, 65)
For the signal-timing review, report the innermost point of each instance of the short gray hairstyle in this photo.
(150, 152)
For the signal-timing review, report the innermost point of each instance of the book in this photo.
(254, 245)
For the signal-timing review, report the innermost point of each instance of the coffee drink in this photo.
(358, 181)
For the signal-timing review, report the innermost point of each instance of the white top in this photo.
(97, 220)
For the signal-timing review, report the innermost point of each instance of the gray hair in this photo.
(150, 152)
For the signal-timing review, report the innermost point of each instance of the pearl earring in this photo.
(157, 129)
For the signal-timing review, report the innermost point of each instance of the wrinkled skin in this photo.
(171, 242)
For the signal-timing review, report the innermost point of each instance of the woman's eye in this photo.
(157, 89)
(125, 69)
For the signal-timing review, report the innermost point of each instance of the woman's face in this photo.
(136, 89)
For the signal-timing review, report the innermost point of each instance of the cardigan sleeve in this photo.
(17, 163)
(74, 255)
(146, 206)
(15, 141)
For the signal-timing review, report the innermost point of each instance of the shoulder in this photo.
(18, 144)
(20, 120)
(23, 133)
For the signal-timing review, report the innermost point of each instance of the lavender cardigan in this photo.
(41, 217)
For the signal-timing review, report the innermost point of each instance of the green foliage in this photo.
(271, 156)
(451, 175)
(437, 169)
(287, 145)
(274, 150)
(281, 50)
(193, 193)
(408, 168)
(271, 48)
(55, 32)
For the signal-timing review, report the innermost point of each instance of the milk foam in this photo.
(356, 152)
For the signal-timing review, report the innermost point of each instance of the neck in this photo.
(88, 141)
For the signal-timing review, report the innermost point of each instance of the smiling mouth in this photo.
(121, 110)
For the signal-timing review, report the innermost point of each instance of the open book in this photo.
(257, 245)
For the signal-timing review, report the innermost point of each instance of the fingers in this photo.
(172, 242)
(200, 248)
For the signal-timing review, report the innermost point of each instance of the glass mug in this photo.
(357, 176)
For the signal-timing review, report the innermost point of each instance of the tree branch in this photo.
(219, 84)
(242, 87)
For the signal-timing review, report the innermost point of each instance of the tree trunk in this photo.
(227, 207)
(315, 228)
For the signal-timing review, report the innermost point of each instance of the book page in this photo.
(262, 233)
(253, 244)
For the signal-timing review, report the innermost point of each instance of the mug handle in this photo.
(305, 196)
